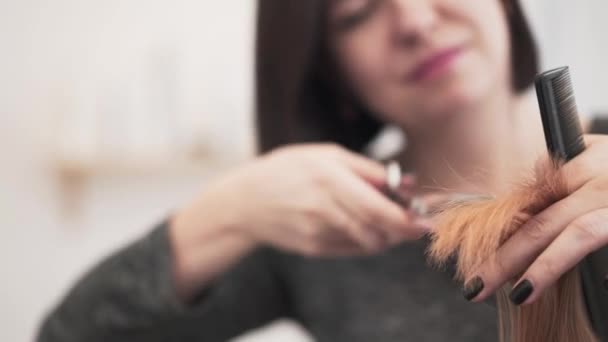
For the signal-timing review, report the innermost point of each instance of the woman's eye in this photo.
(351, 13)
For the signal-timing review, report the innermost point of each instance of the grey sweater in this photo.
(390, 297)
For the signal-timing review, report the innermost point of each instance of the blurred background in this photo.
(113, 113)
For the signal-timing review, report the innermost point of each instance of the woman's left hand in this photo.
(554, 241)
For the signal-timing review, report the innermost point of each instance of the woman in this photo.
(305, 232)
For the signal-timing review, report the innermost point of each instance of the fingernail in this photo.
(473, 288)
(521, 292)
(606, 282)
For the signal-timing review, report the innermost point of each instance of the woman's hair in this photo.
(299, 94)
(469, 233)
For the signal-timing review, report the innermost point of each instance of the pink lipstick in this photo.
(435, 66)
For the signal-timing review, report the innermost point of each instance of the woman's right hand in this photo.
(315, 200)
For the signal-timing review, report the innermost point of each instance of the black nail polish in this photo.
(473, 288)
(606, 282)
(521, 292)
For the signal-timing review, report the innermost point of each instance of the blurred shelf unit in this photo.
(120, 166)
(74, 175)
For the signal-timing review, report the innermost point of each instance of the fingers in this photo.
(324, 240)
(368, 238)
(329, 224)
(371, 171)
(589, 165)
(374, 211)
(592, 139)
(530, 240)
(362, 212)
(343, 246)
(583, 236)
(330, 247)
(532, 244)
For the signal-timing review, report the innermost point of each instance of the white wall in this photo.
(573, 33)
(62, 58)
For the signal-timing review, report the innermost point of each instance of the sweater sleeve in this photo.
(599, 125)
(130, 297)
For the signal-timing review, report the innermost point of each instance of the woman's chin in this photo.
(461, 94)
(431, 108)
(451, 104)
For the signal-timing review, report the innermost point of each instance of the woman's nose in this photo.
(414, 19)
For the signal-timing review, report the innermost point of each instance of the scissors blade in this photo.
(428, 205)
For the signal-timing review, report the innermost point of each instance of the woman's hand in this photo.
(317, 200)
(554, 241)
(314, 200)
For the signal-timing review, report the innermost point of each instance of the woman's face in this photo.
(413, 61)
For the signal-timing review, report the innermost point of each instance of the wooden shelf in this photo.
(73, 175)
(125, 167)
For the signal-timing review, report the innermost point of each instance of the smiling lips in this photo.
(435, 66)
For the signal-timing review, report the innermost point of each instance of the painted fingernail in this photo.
(521, 292)
(606, 282)
(473, 288)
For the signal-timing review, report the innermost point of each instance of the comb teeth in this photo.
(559, 113)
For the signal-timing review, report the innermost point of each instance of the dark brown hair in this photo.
(298, 93)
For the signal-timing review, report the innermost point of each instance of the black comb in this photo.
(564, 137)
(563, 131)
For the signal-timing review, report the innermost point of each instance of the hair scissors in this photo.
(425, 205)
